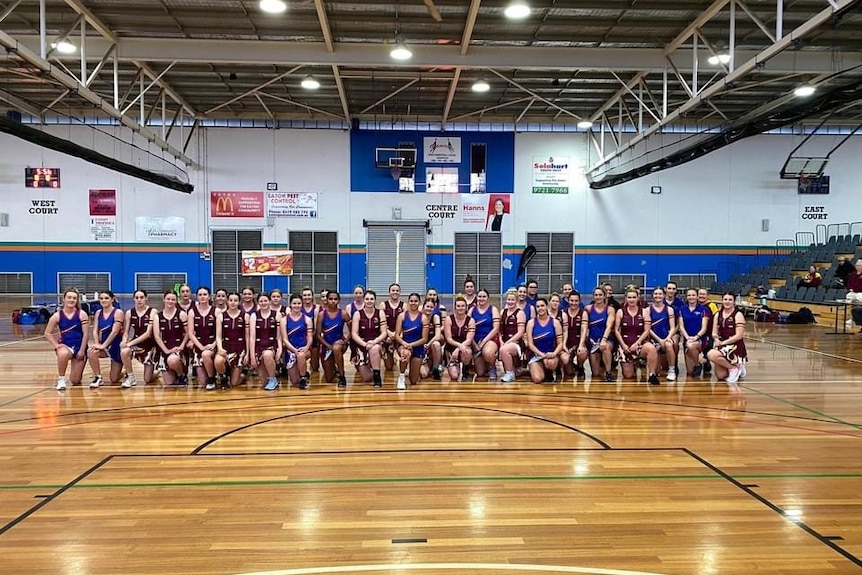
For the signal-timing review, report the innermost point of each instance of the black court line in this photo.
(49, 498)
(209, 442)
(829, 542)
(410, 540)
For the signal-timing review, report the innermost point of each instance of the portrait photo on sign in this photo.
(499, 213)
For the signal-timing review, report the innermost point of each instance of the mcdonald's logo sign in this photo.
(236, 204)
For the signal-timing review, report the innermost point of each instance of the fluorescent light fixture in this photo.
(480, 86)
(517, 10)
(310, 83)
(401, 52)
(585, 124)
(273, 6)
(803, 91)
(716, 59)
(64, 47)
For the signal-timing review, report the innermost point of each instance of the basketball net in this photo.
(804, 182)
(395, 172)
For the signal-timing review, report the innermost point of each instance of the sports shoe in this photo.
(492, 374)
(303, 382)
(224, 381)
(402, 382)
(96, 383)
(271, 384)
(698, 369)
(211, 384)
(437, 373)
(129, 381)
(671, 374)
(707, 368)
(465, 373)
(653, 379)
(61, 384)
(609, 376)
(581, 372)
(378, 381)
(733, 375)
(342, 382)
(508, 377)
(742, 371)
(183, 380)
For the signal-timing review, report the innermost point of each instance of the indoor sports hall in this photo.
(177, 178)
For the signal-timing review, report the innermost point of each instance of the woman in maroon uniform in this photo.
(513, 323)
(728, 355)
(310, 309)
(277, 303)
(632, 328)
(231, 342)
(184, 299)
(247, 300)
(574, 354)
(368, 331)
(470, 291)
(138, 340)
(265, 342)
(459, 329)
(434, 347)
(392, 308)
(171, 335)
(220, 300)
(202, 337)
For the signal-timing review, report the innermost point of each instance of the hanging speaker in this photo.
(764, 225)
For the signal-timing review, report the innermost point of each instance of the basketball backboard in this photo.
(799, 166)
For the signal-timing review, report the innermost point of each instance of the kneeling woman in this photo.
(231, 342)
(265, 342)
(171, 335)
(70, 343)
(728, 355)
(330, 330)
(411, 333)
(107, 336)
(297, 334)
(369, 331)
(633, 330)
(459, 330)
(545, 342)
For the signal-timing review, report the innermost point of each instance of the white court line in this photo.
(450, 566)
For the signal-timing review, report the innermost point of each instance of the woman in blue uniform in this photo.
(693, 322)
(232, 329)
(265, 341)
(459, 329)
(596, 333)
(297, 335)
(138, 342)
(107, 337)
(310, 309)
(171, 335)
(333, 325)
(411, 333)
(487, 346)
(545, 342)
(662, 331)
(368, 331)
(68, 334)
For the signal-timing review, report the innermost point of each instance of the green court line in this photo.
(265, 482)
(11, 401)
(802, 407)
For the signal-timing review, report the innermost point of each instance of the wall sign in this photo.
(814, 213)
(551, 174)
(42, 178)
(441, 150)
(236, 204)
(46, 207)
(160, 229)
(290, 205)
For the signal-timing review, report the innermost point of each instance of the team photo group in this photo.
(226, 339)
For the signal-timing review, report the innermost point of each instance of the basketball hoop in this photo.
(395, 172)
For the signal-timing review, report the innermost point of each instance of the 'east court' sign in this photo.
(814, 213)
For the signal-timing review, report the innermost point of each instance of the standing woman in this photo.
(265, 341)
(107, 337)
(184, 301)
(221, 299)
(330, 330)
(202, 337)
(459, 330)
(247, 301)
(171, 335)
(434, 346)
(70, 343)
(692, 325)
(297, 335)
(574, 354)
(728, 332)
(596, 333)
(545, 342)
(470, 291)
(411, 333)
(357, 304)
(513, 324)
(662, 331)
(392, 308)
(138, 340)
(524, 303)
(310, 309)
(487, 346)
(633, 325)
(432, 295)
(277, 303)
(368, 331)
(232, 339)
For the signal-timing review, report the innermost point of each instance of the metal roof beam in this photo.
(472, 13)
(324, 25)
(453, 87)
(342, 93)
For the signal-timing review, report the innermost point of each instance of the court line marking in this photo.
(37, 392)
(452, 566)
(800, 406)
(814, 351)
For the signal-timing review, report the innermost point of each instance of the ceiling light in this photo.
(64, 47)
(310, 83)
(401, 52)
(717, 59)
(480, 86)
(585, 124)
(803, 91)
(273, 6)
(517, 10)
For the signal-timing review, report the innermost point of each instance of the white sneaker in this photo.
(742, 372)
(508, 377)
(129, 381)
(671, 374)
(61, 384)
(402, 382)
(733, 375)
(96, 383)
(492, 374)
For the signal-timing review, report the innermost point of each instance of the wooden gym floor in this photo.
(446, 478)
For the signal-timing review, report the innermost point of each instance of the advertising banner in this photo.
(441, 150)
(236, 204)
(160, 229)
(103, 202)
(267, 263)
(103, 228)
(551, 174)
(291, 205)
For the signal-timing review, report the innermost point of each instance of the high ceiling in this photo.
(636, 64)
